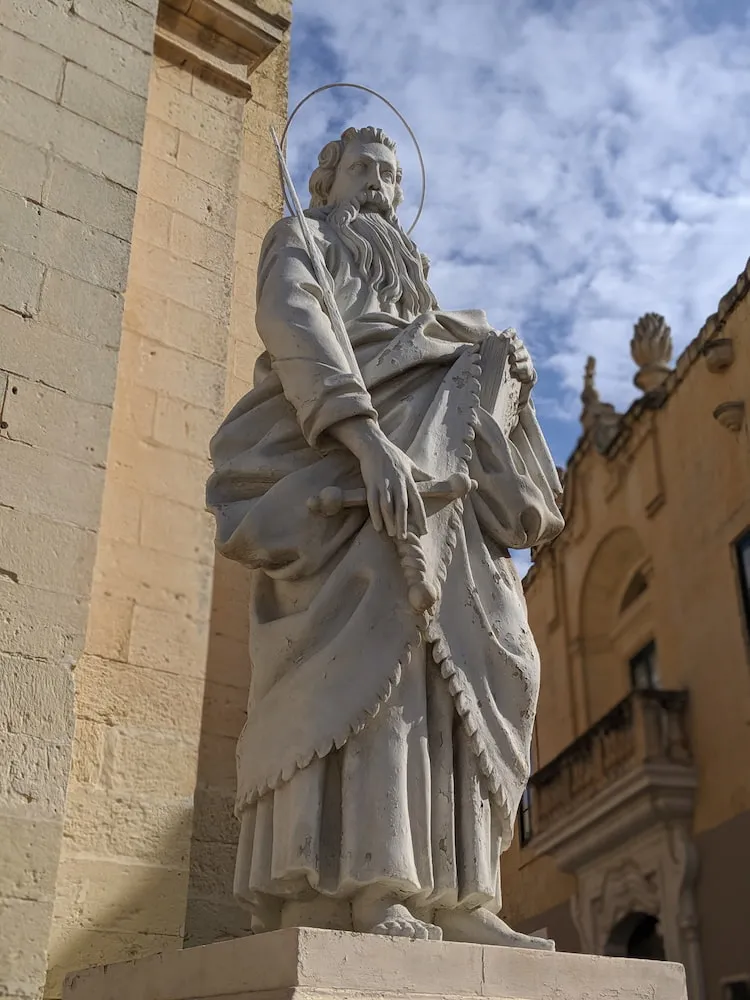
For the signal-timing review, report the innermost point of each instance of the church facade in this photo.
(633, 836)
(137, 180)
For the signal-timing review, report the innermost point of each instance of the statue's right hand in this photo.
(388, 475)
(392, 497)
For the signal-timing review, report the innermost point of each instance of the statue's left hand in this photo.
(521, 365)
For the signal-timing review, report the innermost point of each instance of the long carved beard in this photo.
(385, 256)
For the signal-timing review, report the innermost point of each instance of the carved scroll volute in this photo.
(719, 354)
(731, 415)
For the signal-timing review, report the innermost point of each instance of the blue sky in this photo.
(588, 161)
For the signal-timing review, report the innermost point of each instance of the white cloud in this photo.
(587, 161)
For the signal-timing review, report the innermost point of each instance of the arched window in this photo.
(637, 586)
(608, 638)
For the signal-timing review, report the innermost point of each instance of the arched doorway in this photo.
(636, 935)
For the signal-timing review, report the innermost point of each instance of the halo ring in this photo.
(374, 93)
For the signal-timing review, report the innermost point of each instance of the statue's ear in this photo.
(425, 263)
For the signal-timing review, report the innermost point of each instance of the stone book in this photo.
(500, 392)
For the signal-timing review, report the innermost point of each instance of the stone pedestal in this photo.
(317, 964)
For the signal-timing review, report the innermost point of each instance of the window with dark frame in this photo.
(637, 586)
(525, 831)
(742, 550)
(525, 827)
(643, 673)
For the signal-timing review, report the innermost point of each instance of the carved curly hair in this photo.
(321, 179)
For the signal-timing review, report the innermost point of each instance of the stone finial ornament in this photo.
(599, 419)
(651, 349)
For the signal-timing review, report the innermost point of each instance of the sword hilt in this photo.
(332, 500)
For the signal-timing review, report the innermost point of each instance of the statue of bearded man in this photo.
(384, 756)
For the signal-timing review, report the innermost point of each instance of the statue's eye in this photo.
(388, 176)
(358, 166)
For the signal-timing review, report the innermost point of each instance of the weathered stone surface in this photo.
(40, 623)
(212, 127)
(169, 526)
(166, 641)
(33, 119)
(155, 579)
(151, 830)
(114, 896)
(20, 283)
(125, 20)
(97, 947)
(69, 305)
(31, 65)
(88, 752)
(143, 762)
(64, 243)
(189, 195)
(52, 485)
(182, 426)
(23, 168)
(36, 697)
(102, 102)
(201, 244)
(94, 200)
(43, 417)
(81, 41)
(314, 962)
(173, 373)
(159, 468)
(188, 283)
(22, 968)
(36, 351)
(29, 851)
(119, 693)
(33, 775)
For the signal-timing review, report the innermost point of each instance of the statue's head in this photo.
(359, 169)
(358, 179)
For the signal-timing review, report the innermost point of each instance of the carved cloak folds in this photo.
(338, 667)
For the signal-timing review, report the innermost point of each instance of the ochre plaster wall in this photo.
(672, 502)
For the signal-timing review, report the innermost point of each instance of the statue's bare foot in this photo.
(377, 914)
(479, 926)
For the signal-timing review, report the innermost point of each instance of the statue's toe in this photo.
(400, 923)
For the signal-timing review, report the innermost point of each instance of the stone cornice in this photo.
(225, 39)
(711, 330)
(657, 792)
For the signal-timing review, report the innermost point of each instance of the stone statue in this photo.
(388, 735)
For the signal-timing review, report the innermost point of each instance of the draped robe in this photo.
(373, 753)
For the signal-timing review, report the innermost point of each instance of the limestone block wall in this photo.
(212, 913)
(73, 88)
(155, 726)
(139, 685)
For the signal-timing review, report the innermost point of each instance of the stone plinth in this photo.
(307, 963)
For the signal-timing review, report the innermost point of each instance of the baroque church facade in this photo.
(633, 835)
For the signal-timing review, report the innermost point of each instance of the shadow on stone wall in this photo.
(131, 914)
(212, 914)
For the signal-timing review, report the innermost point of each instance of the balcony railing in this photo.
(647, 726)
